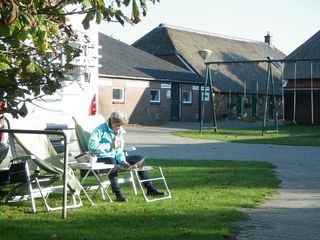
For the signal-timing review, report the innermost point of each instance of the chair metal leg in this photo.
(133, 182)
(29, 182)
(87, 196)
(161, 178)
(103, 188)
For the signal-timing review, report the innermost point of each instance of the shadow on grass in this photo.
(287, 135)
(144, 224)
(217, 174)
(207, 196)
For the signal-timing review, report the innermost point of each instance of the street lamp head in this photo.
(204, 53)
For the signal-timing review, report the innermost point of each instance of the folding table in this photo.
(100, 171)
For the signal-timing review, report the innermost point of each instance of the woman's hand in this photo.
(125, 165)
(116, 143)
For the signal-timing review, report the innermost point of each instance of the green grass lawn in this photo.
(287, 135)
(208, 198)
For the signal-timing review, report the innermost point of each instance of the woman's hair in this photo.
(118, 117)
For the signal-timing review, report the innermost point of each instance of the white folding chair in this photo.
(36, 169)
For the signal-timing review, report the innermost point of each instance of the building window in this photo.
(186, 97)
(154, 95)
(118, 94)
(207, 96)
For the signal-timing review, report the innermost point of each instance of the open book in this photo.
(137, 165)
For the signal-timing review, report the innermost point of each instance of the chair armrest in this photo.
(22, 158)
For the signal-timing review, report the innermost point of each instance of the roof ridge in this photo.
(207, 33)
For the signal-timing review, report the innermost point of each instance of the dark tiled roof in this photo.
(173, 44)
(120, 59)
(308, 50)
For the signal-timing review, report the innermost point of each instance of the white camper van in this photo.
(77, 97)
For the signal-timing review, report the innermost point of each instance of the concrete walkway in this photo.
(294, 214)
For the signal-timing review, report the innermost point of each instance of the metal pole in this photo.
(274, 101)
(257, 101)
(213, 102)
(65, 178)
(295, 93)
(282, 90)
(263, 61)
(204, 97)
(243, 102)
(266, 101)
(311, 79)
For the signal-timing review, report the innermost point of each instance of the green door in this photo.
(254, 106)
(175, 102)
(271, 107)
(239, 105)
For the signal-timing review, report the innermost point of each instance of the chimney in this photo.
(268, 39)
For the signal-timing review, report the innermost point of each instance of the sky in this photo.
(289, 22)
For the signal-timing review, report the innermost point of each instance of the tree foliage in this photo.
(30, 29)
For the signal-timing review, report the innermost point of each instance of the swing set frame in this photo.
(270, 81)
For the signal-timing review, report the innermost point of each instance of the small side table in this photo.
(100, 171)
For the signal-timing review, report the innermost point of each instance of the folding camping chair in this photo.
(85, 126)
(38, 174)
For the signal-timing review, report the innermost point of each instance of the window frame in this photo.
(122, 90)
(190, 97)
(159, 94)
(207, 96)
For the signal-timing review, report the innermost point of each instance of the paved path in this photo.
(294, 214)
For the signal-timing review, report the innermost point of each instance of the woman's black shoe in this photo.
(154, 192)
(120, 197)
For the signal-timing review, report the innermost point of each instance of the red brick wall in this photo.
(140, 110)
(137, 101)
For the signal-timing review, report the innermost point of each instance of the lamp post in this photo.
(205, 54)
